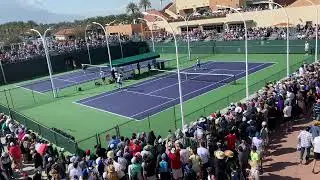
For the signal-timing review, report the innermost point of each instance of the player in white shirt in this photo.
(119, 80)
(103, 76)
(306, 47)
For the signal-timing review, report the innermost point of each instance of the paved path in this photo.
(282, 161)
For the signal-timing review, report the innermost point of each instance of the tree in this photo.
(145, 4)
(132, 7)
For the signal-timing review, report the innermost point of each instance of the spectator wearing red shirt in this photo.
(231, 139)
(174, 156)
(15, 153)
(135, 147)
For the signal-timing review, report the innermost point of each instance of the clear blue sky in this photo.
(87, 7)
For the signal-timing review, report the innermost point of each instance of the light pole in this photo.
(107, 39)
(152, 37)
(120, 45)
(186, 19)
(47, 57)
(178, 65)
(88, 48)
(119, 38)
(316, 49)
(246, 45)
(3, 74)
(285, 12)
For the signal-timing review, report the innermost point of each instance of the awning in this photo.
(135, 59)
(283, 24)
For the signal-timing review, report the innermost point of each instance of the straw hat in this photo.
(219, 154)
(228, 153)
(317, 123)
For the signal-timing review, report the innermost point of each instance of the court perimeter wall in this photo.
(37, 66)
(235, 47)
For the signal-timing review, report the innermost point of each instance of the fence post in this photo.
(34, 99)
(11, 98)
(117, 131)
(55, 138)
(8, 106)
(175, 117)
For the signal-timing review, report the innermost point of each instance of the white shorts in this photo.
(177, 173)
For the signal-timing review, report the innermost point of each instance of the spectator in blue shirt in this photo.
(164, 168)
(113, 142)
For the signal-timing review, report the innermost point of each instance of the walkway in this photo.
(282, 161)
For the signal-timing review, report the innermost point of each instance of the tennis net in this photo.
(202, 77)
(94, 68)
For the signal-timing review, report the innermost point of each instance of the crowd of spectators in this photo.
(307, 32)
(208, 13)
(229, 145)
(31, 49)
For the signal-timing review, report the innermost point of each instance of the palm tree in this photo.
(145, 4)
(132, 7)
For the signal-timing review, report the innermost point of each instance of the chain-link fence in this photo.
(45, 132)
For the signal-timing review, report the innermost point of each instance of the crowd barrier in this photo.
(235, 47)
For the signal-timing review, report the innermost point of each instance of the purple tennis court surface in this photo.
(73, 78)
(144, 99)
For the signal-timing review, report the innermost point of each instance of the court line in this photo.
(149, 95)
(108, 94)
(30, 89)
(65, 80)
(73, 83)
(115, 92)
(195, 91)
(147, 82)
(228, 70)
(82, 75)
(176, 83)
(88, 106)
(269, 66)
(179, 97)
(254, 61)
(59, 77)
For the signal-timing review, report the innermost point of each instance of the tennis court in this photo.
(149, 97)
(74, 78)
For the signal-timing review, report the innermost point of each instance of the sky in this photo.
(86, 8)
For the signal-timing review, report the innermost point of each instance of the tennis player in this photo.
(113, 73)
(119, 80)
(197, 65)
(306, 47)
(84, 68)
(103, 76)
